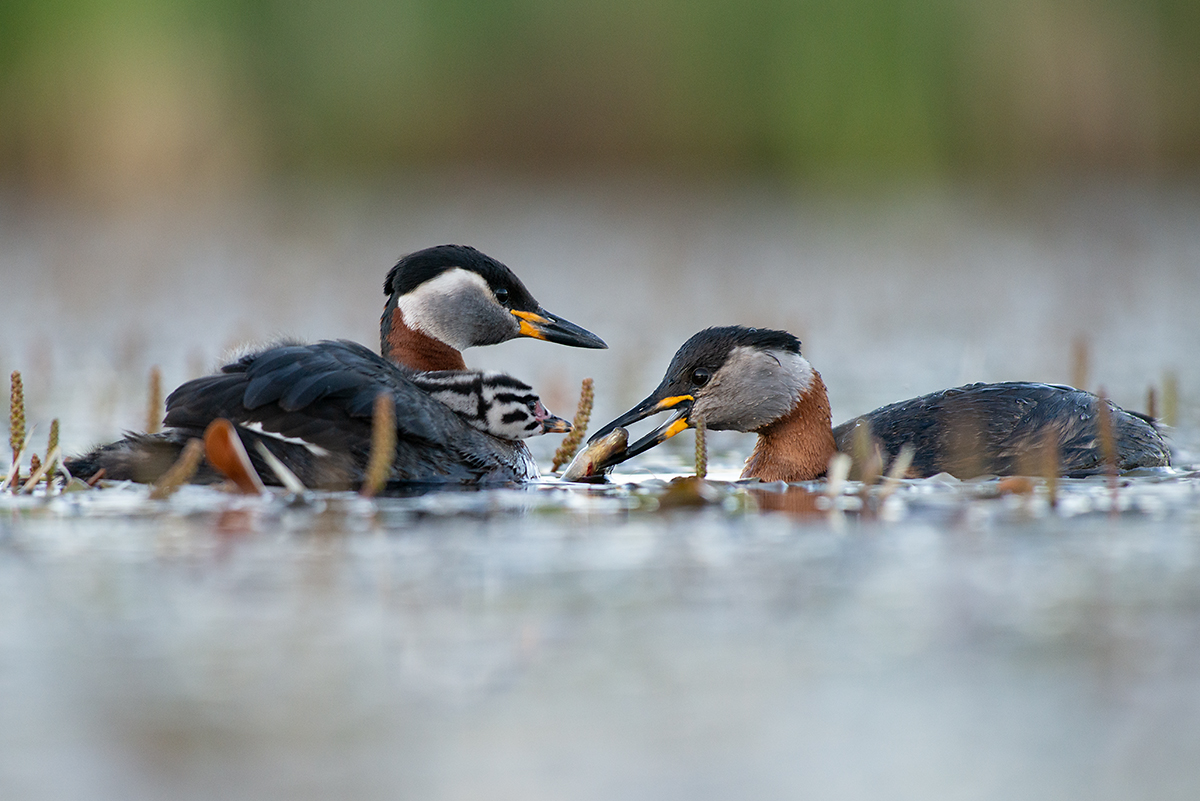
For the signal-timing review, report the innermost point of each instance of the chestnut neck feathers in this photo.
(797, 446)
(411, 348)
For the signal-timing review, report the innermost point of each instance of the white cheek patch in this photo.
(797, 372)
(430, 308)
(257, 428)
(754, 388)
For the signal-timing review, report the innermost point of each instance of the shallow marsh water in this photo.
(584, 642)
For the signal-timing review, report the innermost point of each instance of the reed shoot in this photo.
(1050, 465)
(154, 406)
(1080, 362)
(1108, 444)
(16, 420)
(583, 415)
(1170, 402)
(868, 461)
(383, 446)
(701, 447)
(179, 473)
(51, 450)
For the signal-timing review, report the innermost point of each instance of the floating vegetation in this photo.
(154, 406)
(179, 473)
(701, 447)
(689, 491)
(383, 445)
(583, 415)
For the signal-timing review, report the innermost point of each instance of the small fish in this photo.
(584, 466)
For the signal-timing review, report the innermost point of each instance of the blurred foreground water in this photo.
(593, 643)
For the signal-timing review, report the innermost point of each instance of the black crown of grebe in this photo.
(311, 405)
(445, 299)
(747, 379)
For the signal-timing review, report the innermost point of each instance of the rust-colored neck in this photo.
(797, 446)
(411, 348)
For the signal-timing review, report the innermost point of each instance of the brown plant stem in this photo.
(383, 446)
(154, 406)
(701, 447)
(583, 415)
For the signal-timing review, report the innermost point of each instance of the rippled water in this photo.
(593, 643)
(640, 640)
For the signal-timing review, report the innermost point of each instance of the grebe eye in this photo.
(502, 295)
(700, 376)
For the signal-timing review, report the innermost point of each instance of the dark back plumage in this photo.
(1000, 429)
(312, 406)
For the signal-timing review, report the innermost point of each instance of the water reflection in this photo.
(796, 501)
(585, 642)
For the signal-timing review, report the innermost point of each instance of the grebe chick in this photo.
(493, 402)
(748, 379)
(311, 405)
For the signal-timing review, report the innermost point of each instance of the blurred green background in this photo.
(129, 95)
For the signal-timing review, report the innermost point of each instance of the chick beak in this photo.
(550, 423)
(682, 406)
(552, 328)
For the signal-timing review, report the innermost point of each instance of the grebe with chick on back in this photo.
(311, 405)
(756, 380)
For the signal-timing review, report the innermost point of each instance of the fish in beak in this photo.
(681, 405)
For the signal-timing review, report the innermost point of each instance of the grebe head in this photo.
(734, 378)
(493, 402)
(462, 298)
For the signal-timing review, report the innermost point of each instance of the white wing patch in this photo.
(313, 448)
